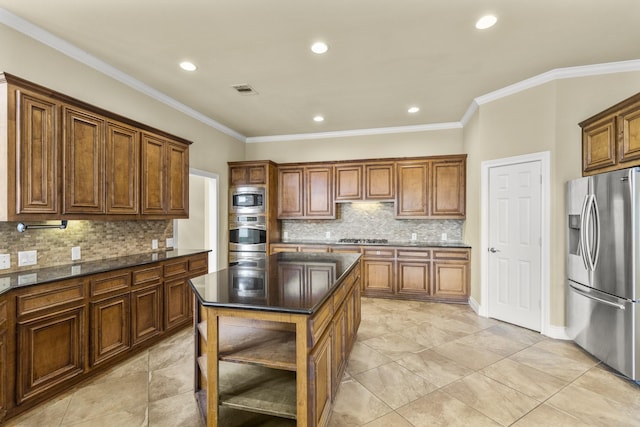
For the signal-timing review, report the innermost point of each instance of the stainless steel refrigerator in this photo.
(603, 267)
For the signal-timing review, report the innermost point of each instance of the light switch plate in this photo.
(154, 244)
(27, 258)
(414, 236)
(444, 236)
(5, 261)
(169, 242)
(75, 253)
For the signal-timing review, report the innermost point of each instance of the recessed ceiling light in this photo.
(319, 48)
(486, 21)
(318, 119)
(188, 66)
(413, 110)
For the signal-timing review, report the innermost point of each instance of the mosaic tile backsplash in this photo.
(97, 240)
(371, 221)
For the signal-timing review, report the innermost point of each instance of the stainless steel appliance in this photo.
(247, 238)
(603, 267)
(247, 200)
(249, 259)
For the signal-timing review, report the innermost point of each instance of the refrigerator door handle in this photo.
(587, 295)
(583, 232)
(596, 227)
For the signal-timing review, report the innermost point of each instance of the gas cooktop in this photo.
(372, 241)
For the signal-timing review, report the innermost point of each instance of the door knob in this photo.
(493, 250)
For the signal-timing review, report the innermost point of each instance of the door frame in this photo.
(544, 158)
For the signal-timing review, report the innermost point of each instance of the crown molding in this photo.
(25, 27)
(355, 132)
(39, 34)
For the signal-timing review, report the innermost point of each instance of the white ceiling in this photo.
(385, 55)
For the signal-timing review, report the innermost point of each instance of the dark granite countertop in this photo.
(52, 274)
(283, 285)
(413, 244)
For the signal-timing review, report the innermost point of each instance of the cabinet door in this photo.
(275, 248)
(177, 180)
(339, 344)
(451, 280)
(109, 328)
(414, 278)
(599, 144)
(320, 381)
(146, 313)
(3, 374)
(250, 174)
(379, 181)
(122, 169)
(448, 182)
(629, 141)
(153, 176)
(177, 299)
(349, 182)
(411, 194)
(319, 192)
(37, 155)
(51, 350)
(378, 276)
(83, 146)
(290, 192)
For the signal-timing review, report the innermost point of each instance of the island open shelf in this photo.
(279, 353)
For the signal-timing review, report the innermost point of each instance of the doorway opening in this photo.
(200, 230)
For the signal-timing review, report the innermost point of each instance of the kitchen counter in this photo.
(53, 274)
(404, 243)
(227, 288)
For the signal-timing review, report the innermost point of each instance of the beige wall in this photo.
(34, 61)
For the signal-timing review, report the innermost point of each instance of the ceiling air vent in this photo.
(244, 89)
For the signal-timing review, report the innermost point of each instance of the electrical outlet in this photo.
(5, 261)
(285, 235)
(75, 253)
(154, 244)
(27, 258)
(169, 242)
(327, 235)
(414, 236)
(444, 236)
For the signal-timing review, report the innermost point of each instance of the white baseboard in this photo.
(556, 332)
(475, 306)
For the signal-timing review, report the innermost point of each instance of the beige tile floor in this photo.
(413, 364)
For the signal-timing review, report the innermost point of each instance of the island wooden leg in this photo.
(212, 368)
(302, 372)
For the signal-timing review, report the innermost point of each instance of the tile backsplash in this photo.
(97, 240)
(371, 221)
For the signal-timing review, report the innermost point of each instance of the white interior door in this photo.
(515, 230)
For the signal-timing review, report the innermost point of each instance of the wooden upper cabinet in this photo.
(412, 186)
(599, 144)
(379, 181)
(611, 138)
(448, 182)
(36, 156)
(122, 169)
(290, 192)
(349, 182)
(248, 174)
(153, 177)
(319, 192)
(83, 148)
(177, 180)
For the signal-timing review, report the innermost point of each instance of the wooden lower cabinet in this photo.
(51, 349)
(339, 345)
(110, 328)
(320, 369)
(378, 276)
(146, 313)
(177, 303)
(414, 278)
(451, 280)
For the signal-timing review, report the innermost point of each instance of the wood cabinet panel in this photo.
(599, 145)
(110, 328)
(629, 134)
(177, 180)
(320, 389)
(177, 300)
(290, 193)
(51, 352)
(83, 147)
(153, 179)
(37, 155)
(338, 347)
(122, 169)
(37, 300)
(414, 277)
(319, 192)
(451, 279)
(146, 313)
(379, 181)
(249, 174)
(349, 182)
(4, 366)
(107, 283)
(411, 192)
(448, 192)
(378, 276)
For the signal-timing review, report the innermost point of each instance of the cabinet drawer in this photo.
(198, 265)
(109, 282)
(319, 322)
(47, 297)
(414, 254)
(176, 268)
(379, 252)
(147, 276)
(339, 294)
(3, 314)
(450, 254)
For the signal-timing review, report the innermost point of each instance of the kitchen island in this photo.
(272, 340)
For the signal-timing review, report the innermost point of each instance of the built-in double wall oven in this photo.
(247, 233)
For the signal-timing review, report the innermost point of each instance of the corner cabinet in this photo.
(611, 139)
(306, 192)
(66, 159)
